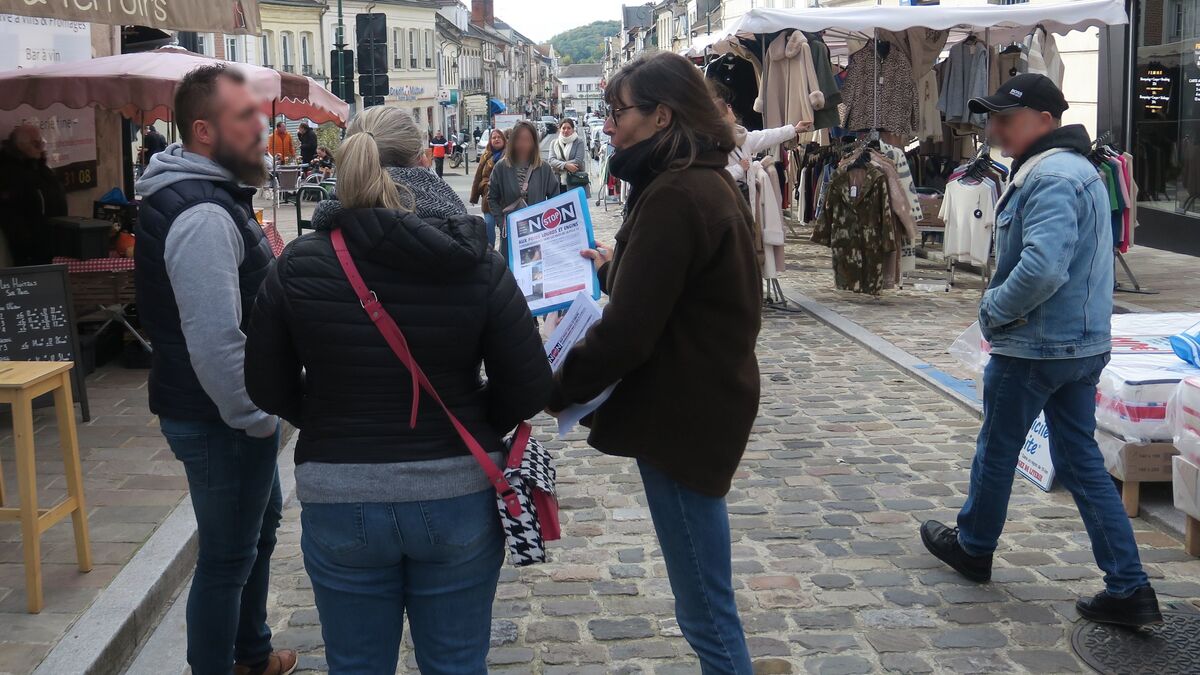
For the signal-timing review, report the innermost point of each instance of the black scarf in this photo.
(636, 165)
(1073, 137)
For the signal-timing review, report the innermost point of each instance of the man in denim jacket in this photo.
(1047, 315)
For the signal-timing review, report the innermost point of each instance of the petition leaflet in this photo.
(544, 242)
(583, 313)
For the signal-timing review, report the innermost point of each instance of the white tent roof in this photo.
(1002, 23)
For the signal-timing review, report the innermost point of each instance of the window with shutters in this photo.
(265, 49)
(306, 65)
(286, 51)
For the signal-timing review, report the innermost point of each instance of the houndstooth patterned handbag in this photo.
(525, 489)
(530, 474)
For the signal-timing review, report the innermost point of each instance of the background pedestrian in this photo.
(520, 178)
(483, 174)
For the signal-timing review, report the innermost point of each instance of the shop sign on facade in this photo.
(29, 42)
(225, 16)
(407, 93)
(1154, 90)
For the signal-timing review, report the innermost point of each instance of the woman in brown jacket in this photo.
(677, 336)
(483, 176)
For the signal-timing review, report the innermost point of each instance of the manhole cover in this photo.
(1166, 649)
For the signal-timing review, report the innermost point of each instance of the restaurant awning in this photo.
(231, 17)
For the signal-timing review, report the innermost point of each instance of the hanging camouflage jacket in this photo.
(857, 224)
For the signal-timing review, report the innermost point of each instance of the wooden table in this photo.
(20, 383)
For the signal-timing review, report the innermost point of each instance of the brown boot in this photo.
(280, 662)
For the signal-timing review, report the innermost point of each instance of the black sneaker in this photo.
(1139, 609)
(942, 542)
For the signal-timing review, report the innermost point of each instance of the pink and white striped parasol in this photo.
(142, 86)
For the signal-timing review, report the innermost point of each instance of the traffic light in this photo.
(372, 58)
(372, 85)
(341, 74)
(371, 38)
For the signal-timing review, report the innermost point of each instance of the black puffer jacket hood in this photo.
(438, 245)
(314, 357)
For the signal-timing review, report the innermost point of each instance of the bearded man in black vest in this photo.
(201, 257)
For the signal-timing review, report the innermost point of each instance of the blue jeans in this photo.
(1014, 391)
(439, 560)
(234, 484)
(693, 531)
(490, 221)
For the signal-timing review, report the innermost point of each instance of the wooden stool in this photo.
(20, 383)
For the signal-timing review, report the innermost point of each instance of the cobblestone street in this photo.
(848, 456)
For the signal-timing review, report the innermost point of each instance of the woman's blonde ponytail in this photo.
(377, 137)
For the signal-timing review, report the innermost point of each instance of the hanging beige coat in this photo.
(790, 91)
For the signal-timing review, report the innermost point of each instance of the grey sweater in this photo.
(202, 254)
(504, 189)
(576, 153)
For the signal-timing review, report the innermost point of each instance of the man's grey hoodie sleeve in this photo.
(203, 252)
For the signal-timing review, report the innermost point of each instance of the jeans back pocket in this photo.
(192, 450)
(336, 528)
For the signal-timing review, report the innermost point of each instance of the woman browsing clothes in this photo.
(483, 175)
(397, 518)
(677, 337)
(568, 158)
(520, 178)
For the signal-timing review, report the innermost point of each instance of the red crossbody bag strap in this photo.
(395, 339)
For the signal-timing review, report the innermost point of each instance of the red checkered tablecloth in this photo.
(273, 237)
(113, 263)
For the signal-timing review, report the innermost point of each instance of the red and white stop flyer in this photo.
(544, 242)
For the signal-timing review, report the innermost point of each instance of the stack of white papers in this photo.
(582, 313)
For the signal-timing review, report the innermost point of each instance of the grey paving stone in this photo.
(968, 614)
(906, 597)
(970, 637)
(896, 640)
(844, 664)
(905, 663)
(771, 666)
(1045, 661)
(824, 619)
(504, 632)
(552, 631)
(832, 580)
(814, 643)
(979, 662)
(620, 629)
(898, 618)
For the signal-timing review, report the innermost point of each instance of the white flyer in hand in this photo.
(582, 313)
(544, 241)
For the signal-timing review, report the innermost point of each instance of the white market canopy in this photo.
(1000, 24)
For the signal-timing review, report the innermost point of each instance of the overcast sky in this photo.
(542, 19)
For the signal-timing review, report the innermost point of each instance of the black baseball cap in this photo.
(1028, 90)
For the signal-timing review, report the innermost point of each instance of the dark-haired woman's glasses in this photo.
(614, 113)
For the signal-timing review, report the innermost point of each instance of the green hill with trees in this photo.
(584, 44)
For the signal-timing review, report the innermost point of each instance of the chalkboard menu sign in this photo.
(37, 320)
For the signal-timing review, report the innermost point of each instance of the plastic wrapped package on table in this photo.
(1136, 389)
(1185, 418)
(1185, 489)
